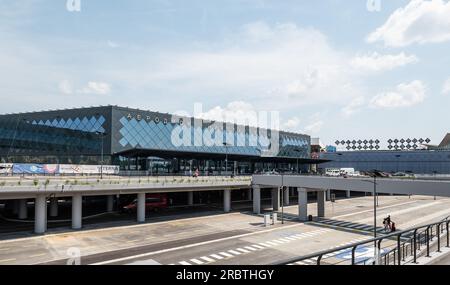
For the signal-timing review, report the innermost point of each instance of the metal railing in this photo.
(416, 241)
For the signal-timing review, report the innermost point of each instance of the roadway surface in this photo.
(217, 238)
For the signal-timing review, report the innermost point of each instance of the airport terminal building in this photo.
(148, 141)
(435, 159)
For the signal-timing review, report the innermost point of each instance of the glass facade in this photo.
(419, 161)
(129, 137)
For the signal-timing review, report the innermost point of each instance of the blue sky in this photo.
(332, 68)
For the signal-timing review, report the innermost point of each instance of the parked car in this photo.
(153, 202)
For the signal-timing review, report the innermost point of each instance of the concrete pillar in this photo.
(23, 209)
(15, 207)
(141, 207)
(276, 199)
(321, 204)
(40, 214)
(302, 204)
(348, 194)
(190, 198)
(249, 194)
(286, 197)
(54, 207)
(256, 199)
(77, 211)
(226, 200)
(110, 203)
(328, 194)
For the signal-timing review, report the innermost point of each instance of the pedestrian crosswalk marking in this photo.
(250, 248)
(184, 263)
(196, 261)
(207, 259)
(234, 252)
(254, 247)
(225, 254)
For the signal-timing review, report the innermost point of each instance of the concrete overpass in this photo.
(322, 185)
(43, 188)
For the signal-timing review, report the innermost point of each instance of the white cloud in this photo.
(354, 106)
(418, 22)
(278, 67)
(292, 124)
(405, 95)
(314, 127)
(65, 87)
(112, 44)
(99, 88)
(239, 112)
(379, 62)
(446, 87)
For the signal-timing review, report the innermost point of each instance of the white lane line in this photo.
(258, 246)
(276, 242)
(216, 256)
(207, 259)
(242, 250)
(284, 239)
(251, 248)
(196, 261)
(266, 244)
(290, 238)
(234, 252)
(192, 245)
(184, 263)
(226, 254)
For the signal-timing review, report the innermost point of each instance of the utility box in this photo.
(274, 218)
(310, 218)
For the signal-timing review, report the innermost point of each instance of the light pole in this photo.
(226, 157)
(102, 135)
(375, 204)
(297, 151)
(282, 198)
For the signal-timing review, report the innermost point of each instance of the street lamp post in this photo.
(226, 157)
(102, 135)
(375, 205)
(297, 151)
(282, 198)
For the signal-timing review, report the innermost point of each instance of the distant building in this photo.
(434, 160)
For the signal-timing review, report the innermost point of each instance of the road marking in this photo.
(7, 260)
(284, 239)
(1, 249)
(193, 245)
(265, 244)
(227, 238)
(367, 211)
(257, 246)
(234, 252)
(130, 241)
(242, 250)
(216, 256)
(207, 259)
(184, 263)
(37, 255)
(251, 248)
(196, 261)
(225, 254)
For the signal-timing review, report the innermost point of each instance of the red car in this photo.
(153, 202)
